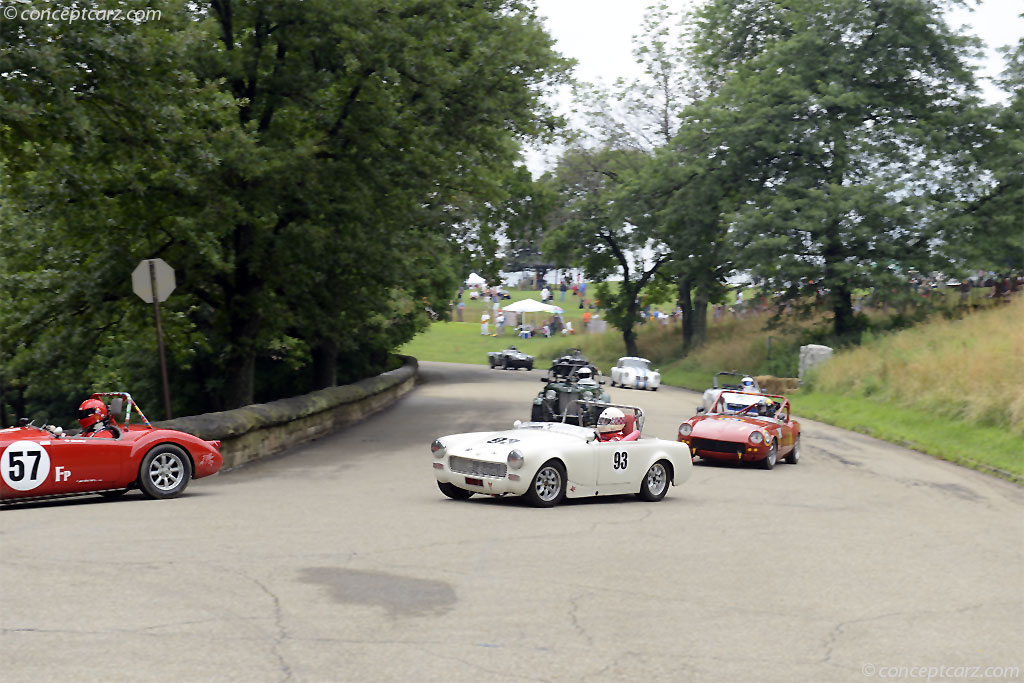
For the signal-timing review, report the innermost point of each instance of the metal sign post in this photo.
(153, 281)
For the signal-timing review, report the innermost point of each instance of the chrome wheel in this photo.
(773, 454)
(548, 486)
(166, 471)
(655, 483)
(657, 479)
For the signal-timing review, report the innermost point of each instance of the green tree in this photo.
(602, 225)
(854, 119)
(303, 165)
(991, 231)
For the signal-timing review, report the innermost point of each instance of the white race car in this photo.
(635, 373)
(549, 461)
(725, 382)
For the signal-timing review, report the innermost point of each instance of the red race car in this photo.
(108, 457)
(760, 432)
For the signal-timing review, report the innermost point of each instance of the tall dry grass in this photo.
(733, 343)
(969, 368)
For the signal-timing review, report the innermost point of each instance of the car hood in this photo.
(725, 427)
(533, 436)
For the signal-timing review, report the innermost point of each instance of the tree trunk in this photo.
(700, 318)
(842, 311)
(686, 304)
(239, 374)
(629, 324)
(629, 338)
(325, 364)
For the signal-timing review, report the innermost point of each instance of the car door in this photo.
(88, 464)
(616, 465)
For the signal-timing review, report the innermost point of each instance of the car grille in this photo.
(716, 446)
(480, 468)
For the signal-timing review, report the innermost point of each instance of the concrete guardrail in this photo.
(260, 430)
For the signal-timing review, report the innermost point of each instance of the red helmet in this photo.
(91, 411)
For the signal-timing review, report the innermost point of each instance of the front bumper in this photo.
(512, 363)
(513, 482)
(731, 451)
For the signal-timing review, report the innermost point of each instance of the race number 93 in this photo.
(620, 460)
(24, 465)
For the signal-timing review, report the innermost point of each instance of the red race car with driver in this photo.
(744, 427)
(109, 456)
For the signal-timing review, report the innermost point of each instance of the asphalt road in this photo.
(341, 561)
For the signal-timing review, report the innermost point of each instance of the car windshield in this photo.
(732, 402)
(635, 363)
(559, 427)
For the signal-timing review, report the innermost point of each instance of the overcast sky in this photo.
(598, 34)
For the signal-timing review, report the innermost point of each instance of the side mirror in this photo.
(544, 379)
(116, 406)
(701, 410)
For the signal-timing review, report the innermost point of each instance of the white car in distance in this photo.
(547, 462)
(635, 373)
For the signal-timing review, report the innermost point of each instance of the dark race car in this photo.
(572, 378)
(44, 462)
(510, 359)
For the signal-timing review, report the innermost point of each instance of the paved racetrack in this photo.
(342, 561)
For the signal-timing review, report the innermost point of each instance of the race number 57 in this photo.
(24, 465)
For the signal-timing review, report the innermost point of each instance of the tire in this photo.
(504, 363)
(612, 382)
(529, 367)
(164, 472)
(548, 486)
(794, 455)
(773, 455)
(654, 388)
(537, 414)
(490, 361)
(453, 491)
(655, 483)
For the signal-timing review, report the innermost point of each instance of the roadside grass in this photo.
(946, 387)
(968, 369)
(987, 448)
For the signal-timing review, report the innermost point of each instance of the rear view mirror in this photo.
(115, 406)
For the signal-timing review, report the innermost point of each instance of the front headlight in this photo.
(685, 429)
(550, 394)
(437, 448)
(515, 459)
(588, 395)
(756, 437)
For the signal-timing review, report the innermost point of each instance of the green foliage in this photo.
(852, 126)
(306, 167)
(605, 228)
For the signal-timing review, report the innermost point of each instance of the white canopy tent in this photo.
(475, 280)
(532, 306)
